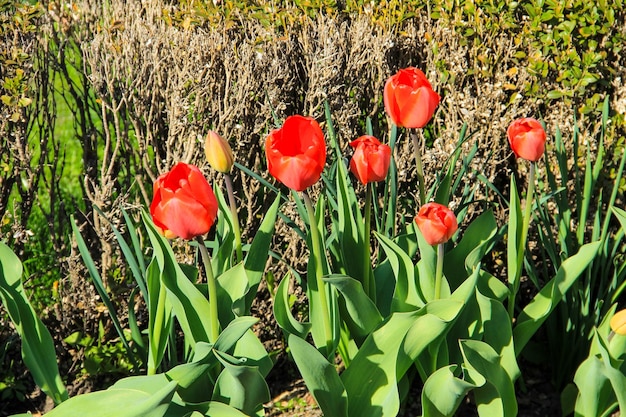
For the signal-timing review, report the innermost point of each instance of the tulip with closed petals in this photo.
(527, 138)
(436, 222)
(183, 203)
(296, 153)
(410, 100)
(218, 153)
(371, 158)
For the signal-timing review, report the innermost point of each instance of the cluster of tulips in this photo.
(184, 204)
(423, 307)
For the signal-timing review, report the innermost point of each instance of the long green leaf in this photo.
(256, 259)
(189, 305)
(536, 312)
(282, 312)
(320, 377)
(99, 284)
(38, 350)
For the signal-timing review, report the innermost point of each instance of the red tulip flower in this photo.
(436, 222)
(527, 138)
(183, 204)
(371, 158)
(409, 99)
(296, 153)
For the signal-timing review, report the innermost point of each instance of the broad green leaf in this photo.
(386, 355)
(251, 348)
(218, 409)
(38, 350)
(232, 287)
(358, 310)
(320, 377)
(149, 396)
(468, 253)
(540, 307)
(443, 392)
(189, 305)
(235, 330)
(256, 258)
(497, 396)
(595, 395)
(282, 312)
(498, 334)
(240, 386)
(407, 296)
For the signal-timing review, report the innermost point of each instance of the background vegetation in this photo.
(98, 98)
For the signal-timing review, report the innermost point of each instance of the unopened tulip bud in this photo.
(218, 152)
(618, 322)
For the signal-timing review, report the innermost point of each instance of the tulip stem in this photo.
(235, 217)
(420, 168)
(368, 282)
(211, 289)
(319, 272)
(439, 271)
(522, 244)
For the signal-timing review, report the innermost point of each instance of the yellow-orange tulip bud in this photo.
(218, 152)
(618, 322)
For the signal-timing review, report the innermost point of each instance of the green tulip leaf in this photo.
(235, 330)
(443, 392)
(386, 355)
(468, 253)
(250, 347)
(407, 295)
(282, 312)
(232, 287)
(145, 396)
(256, 259)
(359, 311)
(540, 307)
(496, 398)
(320, 377)
(160, 318)
(240, 385)
(190, 306)
(38, 350)
(514, 232)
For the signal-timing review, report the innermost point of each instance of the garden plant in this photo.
(406, 271)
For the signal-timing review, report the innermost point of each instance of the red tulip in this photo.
(527, 138)
(409, 99)
(183, 204)
(370, 161)
(436, 222)
(296, 153)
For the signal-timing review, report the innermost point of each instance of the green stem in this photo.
(212, 290)
(439, 271)
(235, 217)
(419, 167)
(319, 271)
(522, 244)
(368, 284)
